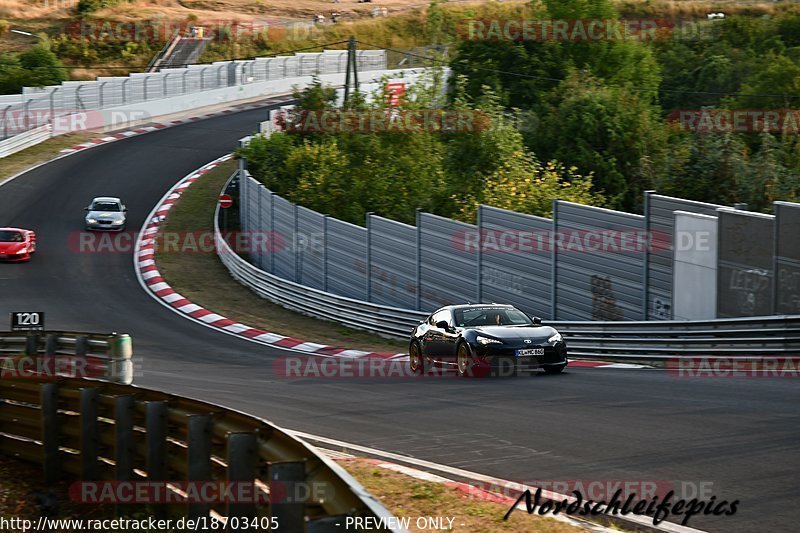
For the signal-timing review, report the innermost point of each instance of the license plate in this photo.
(527, 352)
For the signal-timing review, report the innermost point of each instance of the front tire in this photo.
(463, 360)
(415, 359)
(555, 369)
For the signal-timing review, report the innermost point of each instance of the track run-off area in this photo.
(736, 439)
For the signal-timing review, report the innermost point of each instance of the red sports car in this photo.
(16, 244)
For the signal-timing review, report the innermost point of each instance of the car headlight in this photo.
(555, 338)
(21, 251)
(91, 221)
(487, 340)
(116, 222)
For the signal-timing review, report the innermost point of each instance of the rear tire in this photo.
(555, 369)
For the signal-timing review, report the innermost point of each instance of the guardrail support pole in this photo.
(81, 346)
(89, 434)
(199, 458)
(51, 345)
(32, 344)
(49, 406)
(284, 478)
(419, 260)
(123, 437)
(242, 468)
(156, 461)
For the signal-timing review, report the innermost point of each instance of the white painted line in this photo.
(160, 286)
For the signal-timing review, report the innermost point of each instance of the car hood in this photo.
(11, 247)
(106, 215)
(536, 334)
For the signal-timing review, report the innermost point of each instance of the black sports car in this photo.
(478, 339)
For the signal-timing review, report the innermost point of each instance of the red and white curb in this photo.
(160, 126)
(152, 281)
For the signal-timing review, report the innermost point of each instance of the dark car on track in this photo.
(478, 339)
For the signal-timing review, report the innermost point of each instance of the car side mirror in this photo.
(124, 209)
(442, 324)
(86, 209)
(537, 321)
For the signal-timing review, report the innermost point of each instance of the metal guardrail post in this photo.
(199, 458)
(165, 89)
(48, 401)
(419, 259)
(124, 83)
(5, 122)
(554, 264)
(32, 344)
(100, 94)
(646, 269)
(89, 433)
(479, 257)
(157, 428)
(183, 80)
(272, 229)
(81, 345)
(123, 437)
(368, 262)
(298, 254)
(242, 459)
(325, 252)
(289, 510)
(51, 344)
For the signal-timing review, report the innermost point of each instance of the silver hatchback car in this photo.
(106, 213)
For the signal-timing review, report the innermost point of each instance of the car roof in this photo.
(106, 199)
(475, 306)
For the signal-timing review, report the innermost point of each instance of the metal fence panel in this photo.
(283, 232)
(310, 248)
(393, 263)
(448, 272)
(744, 272)
(516, 263)
(347, 252)
(661, 225)
(598, 283)
(787, 258)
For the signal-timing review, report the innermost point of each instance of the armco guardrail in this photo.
(93, 432)
(30, 138)
(649, 341)
(106, 357)
(662, 340)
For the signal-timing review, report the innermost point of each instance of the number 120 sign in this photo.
(27, 321)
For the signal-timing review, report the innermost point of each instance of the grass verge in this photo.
(44, 151)
(409, 497)
(204, 280)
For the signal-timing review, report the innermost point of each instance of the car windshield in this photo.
(491, 316)
(106, 206)
(11, 236)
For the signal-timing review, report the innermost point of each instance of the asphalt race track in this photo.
(740, 435)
